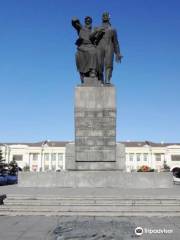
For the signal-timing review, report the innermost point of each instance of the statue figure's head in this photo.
(88, 21)
(106, 17)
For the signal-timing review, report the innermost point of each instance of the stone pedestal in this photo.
(95, 128)
(118, 165)
(95, 124)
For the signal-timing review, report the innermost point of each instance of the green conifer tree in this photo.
(13, 167)
(2, 162)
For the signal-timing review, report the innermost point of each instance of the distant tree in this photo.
(166, 167)
(13, 167)
(1, 155)
(2, 163)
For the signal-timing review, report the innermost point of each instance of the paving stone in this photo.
(87, 228)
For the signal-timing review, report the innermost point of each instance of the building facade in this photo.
(50, 156)
(154, 155)
(40, 156)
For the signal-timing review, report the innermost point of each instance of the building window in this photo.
(35, 156)
(60, 160)
(60, 156)
(53, 156)
(46, 161)
(138, 157)
(145, 157)
(158, 156)
(46, 157)
(17, 157)
(175, 157)
(131, 157)
(53, 161)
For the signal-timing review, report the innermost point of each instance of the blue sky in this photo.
(38, 73)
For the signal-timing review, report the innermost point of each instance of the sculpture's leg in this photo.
(101, 77)
(100, 63)
(108, 75)
(101, 74)
(92, 73)
(82, 78)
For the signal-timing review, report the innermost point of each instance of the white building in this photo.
(154, 155)
(40, 156)
(50, 156)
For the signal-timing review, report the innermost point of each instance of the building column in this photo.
(57, 161)
(64, 163)
(42, 160)
(39, 163)
(30, 162)
(50, 161)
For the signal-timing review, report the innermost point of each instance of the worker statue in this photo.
(86, 56)
(96, 49)
(107, 47)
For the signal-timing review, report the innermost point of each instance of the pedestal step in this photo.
(90, 206)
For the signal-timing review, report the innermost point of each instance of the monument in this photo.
(95, 146)
(95, 159)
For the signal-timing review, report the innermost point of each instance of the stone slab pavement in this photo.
(173, 192)
(88, 228)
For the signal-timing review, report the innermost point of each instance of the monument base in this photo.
(95, 179)
(95, 128)
(72, 164)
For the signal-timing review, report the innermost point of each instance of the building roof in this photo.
(39, 144)
(147, 143)
(63, 144)
(49, 143)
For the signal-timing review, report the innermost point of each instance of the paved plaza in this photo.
(90, 228)
(73, 228)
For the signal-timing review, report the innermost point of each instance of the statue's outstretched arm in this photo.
(76, 24)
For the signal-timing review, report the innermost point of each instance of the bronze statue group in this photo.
(96, 49)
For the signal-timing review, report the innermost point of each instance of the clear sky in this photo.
(38, 73)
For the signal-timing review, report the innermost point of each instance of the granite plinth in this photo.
(119, 164)
(95, 125)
